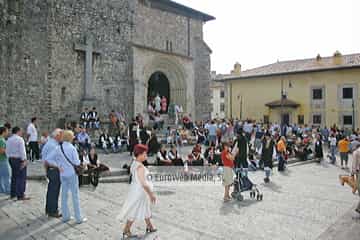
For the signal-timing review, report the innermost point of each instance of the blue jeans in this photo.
(333, 154)
(212, 139)
(4, 177)
(70, 184)
(267, 172)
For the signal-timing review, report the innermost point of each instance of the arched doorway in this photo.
(159, 84)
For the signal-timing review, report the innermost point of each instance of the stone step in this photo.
(114, 179)
(115, 172)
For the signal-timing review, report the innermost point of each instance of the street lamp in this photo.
(239, 97)
(353, 113)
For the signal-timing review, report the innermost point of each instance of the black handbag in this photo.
(79, 170)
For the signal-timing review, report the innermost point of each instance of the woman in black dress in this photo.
(319, 154)
(95, 163)
(267, 155)
(153, 144)
(133, 135)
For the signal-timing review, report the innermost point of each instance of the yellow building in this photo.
(318, 91)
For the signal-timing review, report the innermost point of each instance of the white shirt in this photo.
(177, 109)
(332, 141)
(15, 147)
(86, 159)
(31, 130)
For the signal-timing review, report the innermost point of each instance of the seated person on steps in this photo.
(162, 157)
(175, 157)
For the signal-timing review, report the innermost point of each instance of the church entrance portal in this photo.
(159, 84)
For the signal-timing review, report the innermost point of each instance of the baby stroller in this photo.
(241, 184)
(89, 177)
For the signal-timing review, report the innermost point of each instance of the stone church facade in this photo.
(57, 57)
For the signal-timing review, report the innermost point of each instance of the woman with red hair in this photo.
(141, 195)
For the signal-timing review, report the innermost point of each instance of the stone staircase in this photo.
(115, 176)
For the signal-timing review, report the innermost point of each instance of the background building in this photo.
(318, 91)
(218, 100)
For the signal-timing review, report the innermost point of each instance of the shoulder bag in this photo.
(79, 170)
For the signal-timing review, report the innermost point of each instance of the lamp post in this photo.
(282, 104)
(353, 113)
(239, 97)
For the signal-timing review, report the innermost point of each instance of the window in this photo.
(222, 107)
(266, 119)
(317, 94)
(222, 94)
(347, 120)
(300, 119)
(169, 46)
(63, 94)
(107, 97)
(347, 93)
(317, 119)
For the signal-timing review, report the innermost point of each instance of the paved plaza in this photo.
(306, 202)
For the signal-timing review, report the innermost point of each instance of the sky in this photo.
(261, 32)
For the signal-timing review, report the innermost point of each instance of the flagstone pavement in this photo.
(306, 202)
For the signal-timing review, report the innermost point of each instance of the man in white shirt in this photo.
(15, 151)
(33, 140)
(333, 147)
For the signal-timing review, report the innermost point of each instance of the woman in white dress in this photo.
(140, 197)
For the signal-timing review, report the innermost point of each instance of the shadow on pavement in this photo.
(32, 227)
(286, 173)
(272, 186)
(234, 206)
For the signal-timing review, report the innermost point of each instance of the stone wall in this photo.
(202, 81)
(23, 60)
(110, 24)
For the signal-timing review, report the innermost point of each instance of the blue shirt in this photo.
(48, 148)
(82, 137)
(58, 159)
(212, 129)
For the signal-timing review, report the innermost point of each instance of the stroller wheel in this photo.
(234, 194)
(240, 198)
(252, 194)
(261, 197)
(258, 197)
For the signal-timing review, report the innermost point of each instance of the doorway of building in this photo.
(159, 85)
(285, 119)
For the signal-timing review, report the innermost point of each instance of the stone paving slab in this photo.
(306, 202)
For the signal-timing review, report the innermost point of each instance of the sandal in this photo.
(128, 234)
(227, 199)
(151, 230)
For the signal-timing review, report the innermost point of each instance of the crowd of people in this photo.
(66, 156)
(226, 144)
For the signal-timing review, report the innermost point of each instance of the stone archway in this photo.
(158, 84)
(176, 76)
